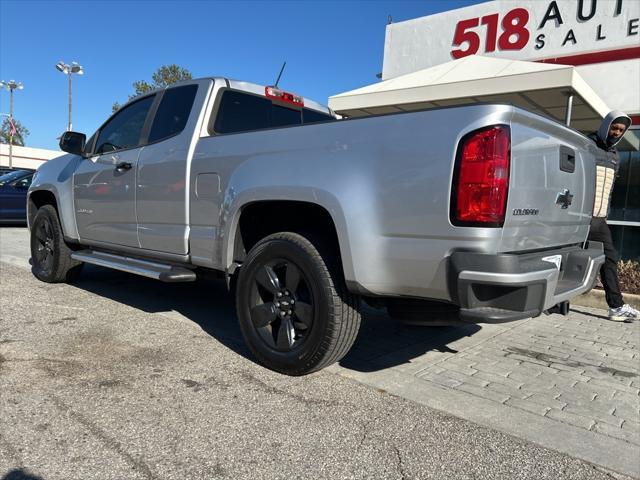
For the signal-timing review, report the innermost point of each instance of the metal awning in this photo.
(556, 91)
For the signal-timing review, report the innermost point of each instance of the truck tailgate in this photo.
(551, 188)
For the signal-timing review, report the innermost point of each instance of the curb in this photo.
(595, 299)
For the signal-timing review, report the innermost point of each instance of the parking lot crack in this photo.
(101, 435)
(400, 465)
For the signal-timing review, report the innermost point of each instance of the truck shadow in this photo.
(381, 343)
(384, 342)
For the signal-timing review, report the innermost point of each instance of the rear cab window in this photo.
(173, 112)
(245, 112)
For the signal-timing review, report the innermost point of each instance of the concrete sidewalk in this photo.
(595, 299)
(568, 383)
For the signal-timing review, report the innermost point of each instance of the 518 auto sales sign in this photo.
(563, 31)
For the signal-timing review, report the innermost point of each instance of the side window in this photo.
(24, 182)
(124, 129)
(173, 112)
(240, 112)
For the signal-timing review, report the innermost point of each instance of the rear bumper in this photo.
(505, 287)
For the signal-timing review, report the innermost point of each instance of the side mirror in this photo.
(73, 142)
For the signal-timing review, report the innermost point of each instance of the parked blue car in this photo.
(13, 196)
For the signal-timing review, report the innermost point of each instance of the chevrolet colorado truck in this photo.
(484, 209)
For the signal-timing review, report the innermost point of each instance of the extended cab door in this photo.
(104, 185)
(163, 169)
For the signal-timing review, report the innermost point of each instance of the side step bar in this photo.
(145, 268)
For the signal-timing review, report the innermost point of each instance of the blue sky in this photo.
(329, 47)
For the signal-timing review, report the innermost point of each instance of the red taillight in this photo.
(481, 182)
(273, 92)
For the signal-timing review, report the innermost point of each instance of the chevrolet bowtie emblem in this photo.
(564, 198)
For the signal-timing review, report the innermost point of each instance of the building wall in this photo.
(26, 157)
(604, 42)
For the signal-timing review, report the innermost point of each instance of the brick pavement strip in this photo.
(440, 379)
(628, 435)
(527, 405)
(516, 393)
(631, 426)
(558, 373)
(455, 367)
(625, 398)
(483, 392)
(631, 419)
(591, 387)
(615, 382)
(460, 377)
(501, 369)
(525, 375)
(595, 413)
(547, 400)
(498, 378)
(609, 386)
(571, 418)
(572, 396)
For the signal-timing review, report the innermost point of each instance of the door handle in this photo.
(123, 166)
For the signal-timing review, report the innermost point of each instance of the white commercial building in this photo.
(567, 59)
(26, 157)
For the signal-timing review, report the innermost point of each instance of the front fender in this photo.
(56, 178)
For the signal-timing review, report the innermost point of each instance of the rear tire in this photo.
(50, 255)
(295, 312)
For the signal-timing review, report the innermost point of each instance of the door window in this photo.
(124, 129)
(24, 182)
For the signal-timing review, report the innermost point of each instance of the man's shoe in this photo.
(625, 313)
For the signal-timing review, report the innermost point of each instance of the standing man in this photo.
(611, 131)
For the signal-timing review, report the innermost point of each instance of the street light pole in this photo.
(69, 70)
(11, 85)
(69, 127)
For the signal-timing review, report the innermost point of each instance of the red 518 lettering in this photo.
(514, 36)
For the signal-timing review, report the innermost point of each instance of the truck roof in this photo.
(253, 88)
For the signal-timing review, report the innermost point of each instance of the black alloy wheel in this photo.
(50, 255)
(294, 310)
(281, 305)
(44, 249)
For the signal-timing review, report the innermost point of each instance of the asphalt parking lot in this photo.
(118, 376)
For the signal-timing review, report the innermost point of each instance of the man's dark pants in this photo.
(599, 232)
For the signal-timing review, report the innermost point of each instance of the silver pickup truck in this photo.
(479, 210)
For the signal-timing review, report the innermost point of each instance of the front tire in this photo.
(295, 312)
(50, 255)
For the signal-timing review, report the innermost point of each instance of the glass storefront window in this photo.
(627, 241)
(625, 207)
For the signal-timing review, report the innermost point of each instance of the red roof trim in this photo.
(595, 57)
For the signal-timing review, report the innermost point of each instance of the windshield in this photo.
(11, 176)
